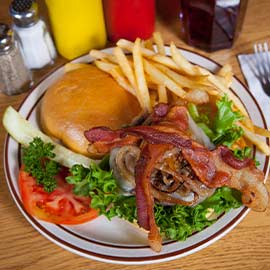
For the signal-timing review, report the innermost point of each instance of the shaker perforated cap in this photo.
(6, 38)
(24, 12)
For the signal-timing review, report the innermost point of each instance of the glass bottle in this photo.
(212, 24)
(34, 39)
(78, 26)
(15, 78)
(129, 18)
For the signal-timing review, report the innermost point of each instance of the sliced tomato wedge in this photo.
(60, 206)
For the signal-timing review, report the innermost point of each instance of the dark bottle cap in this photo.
(24, 12)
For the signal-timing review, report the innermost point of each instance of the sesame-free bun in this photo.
(81, 99)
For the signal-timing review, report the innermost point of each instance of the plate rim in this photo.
(115, 259)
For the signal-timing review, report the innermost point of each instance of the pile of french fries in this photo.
(145, 70)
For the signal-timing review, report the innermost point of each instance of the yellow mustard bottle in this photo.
(78, 26)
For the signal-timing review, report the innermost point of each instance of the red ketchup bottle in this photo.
(129, 19)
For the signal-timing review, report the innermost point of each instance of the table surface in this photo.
(246, 247)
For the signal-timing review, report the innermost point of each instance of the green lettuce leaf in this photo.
(175, 222)
(178, 222)
(100, 185)
(222, 129)
(225, 117)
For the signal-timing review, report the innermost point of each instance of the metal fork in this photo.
(262, 65)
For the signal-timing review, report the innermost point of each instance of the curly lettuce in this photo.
(222, 129)
(175, 222)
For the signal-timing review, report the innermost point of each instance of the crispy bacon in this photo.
(170, 126)
(169, 130)
(144, 198)
(249, 180)
(157, 135)
(213, 168)
(179, 116)
(103, 140)
(215, 171)
(101, 134)
(200, 160)
(234, 162)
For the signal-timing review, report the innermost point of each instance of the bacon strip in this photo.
(155, 135)
(102, 134)
(215, 171)
(144, 198)
(173, 121)
(179, 116)
(103, 140)
(249, 180)
(234, 162)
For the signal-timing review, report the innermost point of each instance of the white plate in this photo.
(118, 241)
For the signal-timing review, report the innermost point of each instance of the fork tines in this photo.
(262, 64)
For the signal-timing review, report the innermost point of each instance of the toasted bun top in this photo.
(81, 99)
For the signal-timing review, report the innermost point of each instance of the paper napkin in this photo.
(254, 84)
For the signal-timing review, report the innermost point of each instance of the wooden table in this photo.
(246, 247)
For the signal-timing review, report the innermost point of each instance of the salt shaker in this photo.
(34, 39)
(15, 78)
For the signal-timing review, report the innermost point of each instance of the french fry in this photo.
(255, 139)
(159, 42)
(262, 131)
(115, 72)
(223, 81)
(102, 55)
(119, 77)
(240, 143)
(247, 122)
(148, 44)
(128, 45)
(162, 94)
(142, 89)
(153, 98)
(222, 89)
(183, 64)
(160, 78)
(125, 65)
(226, 75)
(199, 82)
(197, 96)
(164, 60)
(72, 66)
(107, 67)
(182, 80)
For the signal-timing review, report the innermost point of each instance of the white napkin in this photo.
(254, 84)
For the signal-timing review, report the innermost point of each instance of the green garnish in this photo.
(37, 161)
(241, 154)
(175, 222)
(178, 222)
(101, 186)
(222, 129)
(226, 130)
(225, 117)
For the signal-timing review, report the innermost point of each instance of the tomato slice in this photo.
(60, 206)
